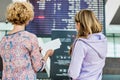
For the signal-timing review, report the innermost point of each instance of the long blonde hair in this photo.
(89, 24)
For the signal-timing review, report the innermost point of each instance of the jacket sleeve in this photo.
(77, 57)
(37, 60)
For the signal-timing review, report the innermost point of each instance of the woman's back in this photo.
(15, 52)
(88, 58)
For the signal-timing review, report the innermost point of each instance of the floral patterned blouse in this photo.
(21, 56)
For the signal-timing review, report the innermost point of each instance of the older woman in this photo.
(19, 48)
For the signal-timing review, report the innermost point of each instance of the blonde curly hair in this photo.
(20, 13)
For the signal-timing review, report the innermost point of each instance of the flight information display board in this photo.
(61, 59)
(59, 14)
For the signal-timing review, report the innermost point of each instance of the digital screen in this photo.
(59, 14)
(61, 59)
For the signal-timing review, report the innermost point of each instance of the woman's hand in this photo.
(50, 52)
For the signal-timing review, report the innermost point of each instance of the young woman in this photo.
(19, 49)
(89, 49)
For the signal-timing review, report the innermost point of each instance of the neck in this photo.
(17, 28)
